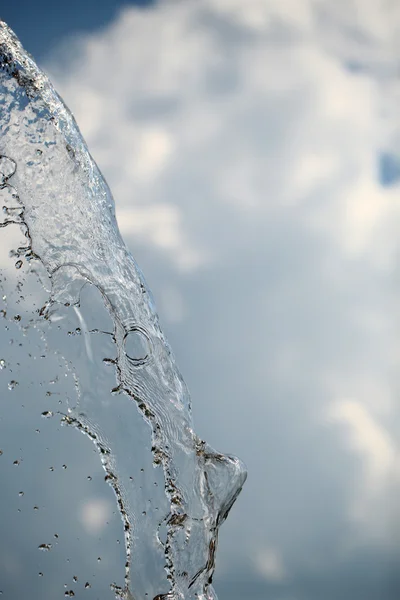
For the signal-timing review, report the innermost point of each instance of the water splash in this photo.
(98, 318)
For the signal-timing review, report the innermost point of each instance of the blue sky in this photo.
(256, 180)
(42, 24)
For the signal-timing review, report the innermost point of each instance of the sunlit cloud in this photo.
(270, 566)
(94, 515)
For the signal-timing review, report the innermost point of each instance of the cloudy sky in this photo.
(253, 150)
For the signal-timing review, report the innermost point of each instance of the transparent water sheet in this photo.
(75, 301)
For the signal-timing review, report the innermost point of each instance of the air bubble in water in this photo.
(136, 343)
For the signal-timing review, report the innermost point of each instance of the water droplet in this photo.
(47, 414)
(87, 585)
(21, 494)
(69, 594)
(12, 385)
(39, 152)
(108, 361)
(45, 547)
(2, 363)
(75, 578)
(18, 264)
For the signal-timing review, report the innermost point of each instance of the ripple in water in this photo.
(93, 311)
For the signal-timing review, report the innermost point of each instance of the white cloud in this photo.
(369, 439)
(94, 514)
(159, 225)
(264, 123)
(270, 566)
(378, 480)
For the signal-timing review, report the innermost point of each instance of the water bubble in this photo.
(137, 345)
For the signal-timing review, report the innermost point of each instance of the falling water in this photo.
(76, 294)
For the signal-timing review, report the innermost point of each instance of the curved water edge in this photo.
(54, 192)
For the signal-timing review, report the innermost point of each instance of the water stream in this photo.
(78, 293)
